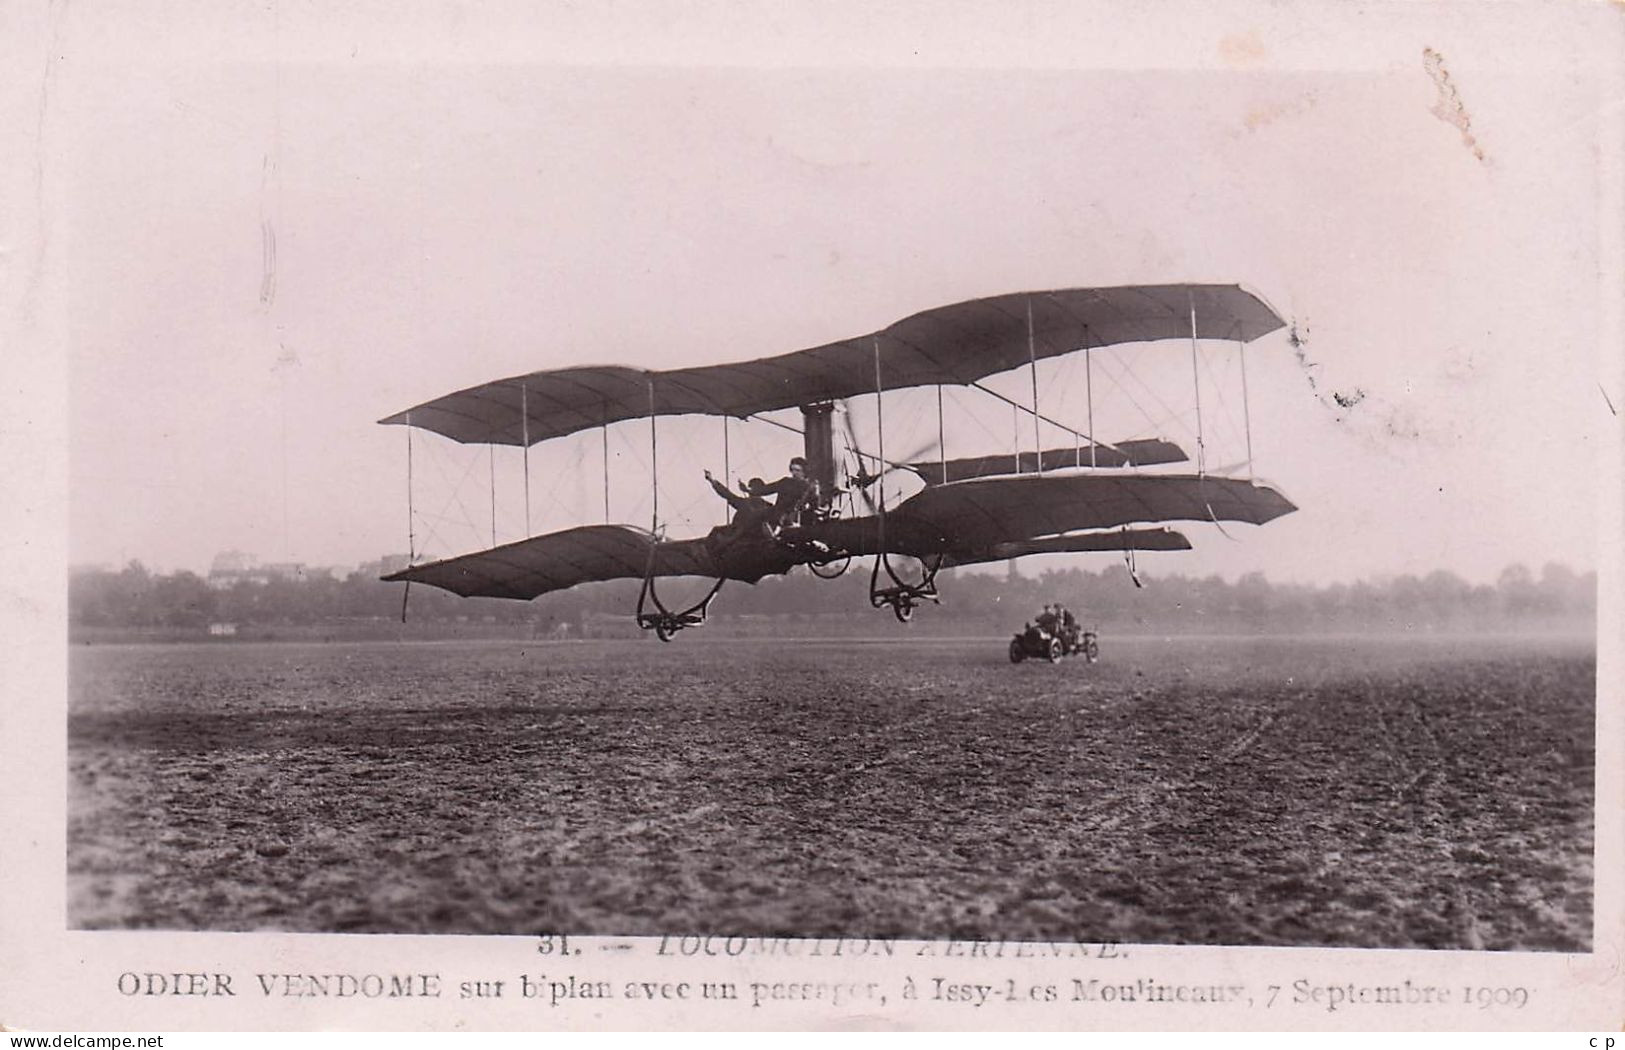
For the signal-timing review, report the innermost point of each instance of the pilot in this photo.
(752, 510)
(794, 491)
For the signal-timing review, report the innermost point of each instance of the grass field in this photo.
(1370, 792)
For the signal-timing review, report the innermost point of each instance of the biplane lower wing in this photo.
(965, 522)
(965, 519)
(560, 560)
(988, 511)
(1141, 452)
(1088, 542)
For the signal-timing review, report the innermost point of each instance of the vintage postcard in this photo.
(997, 516)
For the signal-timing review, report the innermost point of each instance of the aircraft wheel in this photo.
(663, 632)
(904, 612)
(1054, 652)
(1017, 653)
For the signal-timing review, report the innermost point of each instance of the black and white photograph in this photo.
(567, 476)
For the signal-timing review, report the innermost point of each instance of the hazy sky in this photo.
(268, 231)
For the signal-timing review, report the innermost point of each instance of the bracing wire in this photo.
(454, 497)
(411, 525)
(1125, 370)
(1217, 385)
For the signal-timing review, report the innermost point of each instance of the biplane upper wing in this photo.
(559, 560)
(954, 344)
(1140, 452)
(989, 511)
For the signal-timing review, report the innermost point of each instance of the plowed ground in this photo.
(1364, 792)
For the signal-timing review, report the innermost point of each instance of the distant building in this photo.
(222, 630)
(232, 562)
(233, 567)
(290, 570)
(230, 568)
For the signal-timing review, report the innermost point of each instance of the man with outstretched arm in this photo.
(752, 511)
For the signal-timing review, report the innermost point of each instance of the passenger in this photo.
(1069, 628)
(751, 512)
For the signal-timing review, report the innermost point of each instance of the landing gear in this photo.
(664, 622)
(828, 570)
(903, 596)
(825, 563)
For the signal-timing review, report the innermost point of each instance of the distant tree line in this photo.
(182, 602)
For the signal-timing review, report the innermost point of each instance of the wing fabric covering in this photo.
(988, 511)
(952, 345)
(1088, 542)
(989, 519)
(1138, 453)
(560, 560)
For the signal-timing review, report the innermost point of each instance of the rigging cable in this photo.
(550, 494)
(1246, 411)
(1032, 362)
(411, 530)
(1015, 434)
(1214, 518)
(1019, 407)
(524, 437)
(1217, 385)
(654, 461)
(1128, 557)
(411, 524)
(880, 439)
(1170, 415)
(455, 496)
(1196, 377)
(1089, 392)
(727, 466)
(942, 441)
(776, 423)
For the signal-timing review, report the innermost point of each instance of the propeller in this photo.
(863, 479)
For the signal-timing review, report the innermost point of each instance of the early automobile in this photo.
(1036, 642)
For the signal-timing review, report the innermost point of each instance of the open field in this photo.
(1370, 792)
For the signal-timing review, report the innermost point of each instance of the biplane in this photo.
(1092, 496)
